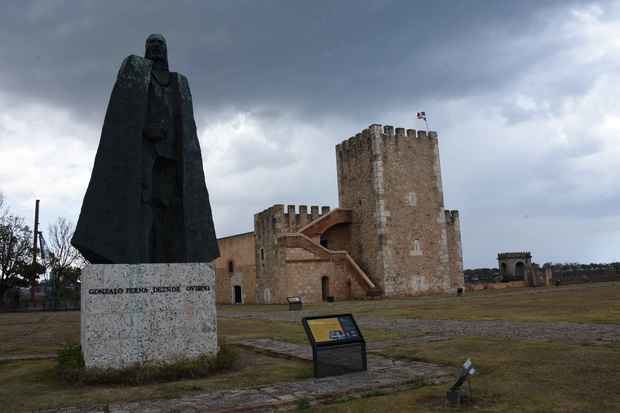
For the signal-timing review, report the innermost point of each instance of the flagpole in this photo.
(422, 115)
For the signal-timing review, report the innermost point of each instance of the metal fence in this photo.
(21, 300)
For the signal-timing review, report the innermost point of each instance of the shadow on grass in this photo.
(70, 368)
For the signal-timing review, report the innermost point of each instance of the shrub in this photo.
(71, 368)
(70, 362)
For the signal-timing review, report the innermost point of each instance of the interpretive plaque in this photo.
(457, 395)
(338, 346)
(295, 303)
(136, 313)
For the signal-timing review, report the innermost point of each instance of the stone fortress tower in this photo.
(401, 235)
(389, 237)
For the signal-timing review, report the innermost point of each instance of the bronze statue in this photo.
(147, 201)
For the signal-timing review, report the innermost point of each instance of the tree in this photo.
(15, 249)
(62, 253)
(64, 260)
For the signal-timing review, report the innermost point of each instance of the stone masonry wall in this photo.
(268, 224)
(455, 251)
(510, 261)
(391, 179)
(338, 237)
(271, 272)
(305, 272)
(239, 249)
(354, 159)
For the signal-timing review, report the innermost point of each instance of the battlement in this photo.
(452, 216)
(294, 217)
(363, 139)
(296, 220)
(508, 255)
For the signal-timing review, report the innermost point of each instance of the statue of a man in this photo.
(147, 200)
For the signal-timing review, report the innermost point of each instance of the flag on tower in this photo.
(422, 115)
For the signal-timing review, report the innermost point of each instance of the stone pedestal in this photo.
(134, 313)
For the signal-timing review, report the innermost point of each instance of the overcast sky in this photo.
(523, 94)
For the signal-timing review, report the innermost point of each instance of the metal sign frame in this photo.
(456, 395)
(355, 343)
(295, 303)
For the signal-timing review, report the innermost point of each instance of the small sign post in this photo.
(338, 346)
(456, 395)
(295, 303)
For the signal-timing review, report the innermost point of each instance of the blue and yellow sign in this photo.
(332, 329)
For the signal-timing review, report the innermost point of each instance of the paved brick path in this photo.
(558, 331)
(383, 375)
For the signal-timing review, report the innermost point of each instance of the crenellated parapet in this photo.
(452, 216)
(514, 255)
(383, 140)
(297, 216)
(290, 218)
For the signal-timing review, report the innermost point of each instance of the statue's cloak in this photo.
(109, 229)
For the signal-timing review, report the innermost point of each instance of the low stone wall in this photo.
(583, 277)
(495, 286)
(147, 312)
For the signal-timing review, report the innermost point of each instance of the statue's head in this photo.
(156, 50)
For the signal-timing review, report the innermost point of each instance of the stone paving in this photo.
(557, 331)
(565, 332)
(384, 375)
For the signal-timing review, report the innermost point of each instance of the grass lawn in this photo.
(235, 330)
(36, 333)
(514, 376)
(583, 303)
(31, 385)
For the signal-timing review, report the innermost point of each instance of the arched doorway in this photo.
(237, 295)
(520, 269)
(502, 268)
(325, 287)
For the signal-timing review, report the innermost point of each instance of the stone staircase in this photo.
(308, 239)
(321, 224)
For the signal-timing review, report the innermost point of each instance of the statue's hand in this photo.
(154, 134)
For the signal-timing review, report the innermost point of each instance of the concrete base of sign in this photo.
(135, 313)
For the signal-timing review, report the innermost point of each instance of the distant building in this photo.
(390, 236)
(236, 269)
(514, 264)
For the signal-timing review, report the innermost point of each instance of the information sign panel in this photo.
(338, 346)
(294, 303)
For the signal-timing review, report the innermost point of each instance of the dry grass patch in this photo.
(237, 330)
(38, 332)
(583, 303)
(70, 368)
(515, 376)
(32, 385)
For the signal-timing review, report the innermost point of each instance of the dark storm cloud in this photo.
(523, 94)
(320, 57)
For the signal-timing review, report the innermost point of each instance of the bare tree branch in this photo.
(63, 255)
